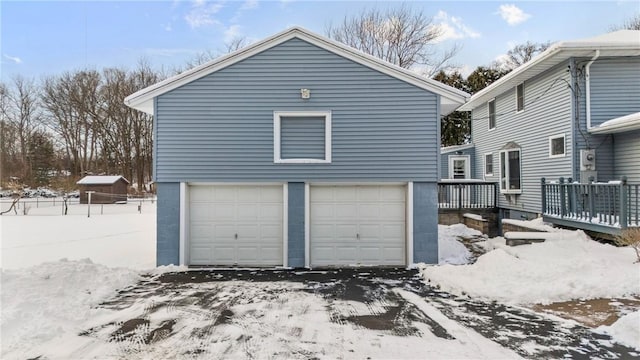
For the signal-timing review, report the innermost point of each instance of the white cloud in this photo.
(15, 59)
(453, 27)
(201, 14)
(249, 4)
(512, 14)
(231, 33)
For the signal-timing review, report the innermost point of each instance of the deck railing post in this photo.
(590, 194)
(624, 202)
(563, 198)
(571, 197)
(543, 190)
(459, 196)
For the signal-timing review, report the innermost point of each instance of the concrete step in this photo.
(515, 238)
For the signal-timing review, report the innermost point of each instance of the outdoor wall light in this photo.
(305, 93)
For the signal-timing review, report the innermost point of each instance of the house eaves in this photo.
(453, 148)
(620, 124)
(619, 43)
(450, 98)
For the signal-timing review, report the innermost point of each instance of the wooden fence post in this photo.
(543, 190)
(591, 193)
(563, 197)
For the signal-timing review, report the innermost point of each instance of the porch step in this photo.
(515, 238)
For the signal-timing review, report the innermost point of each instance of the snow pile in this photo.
(570, 266)
(450, 250)
(535, 224)
(41, 302)
(626, 330)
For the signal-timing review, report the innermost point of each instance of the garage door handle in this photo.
(357, 236)
(235, 236)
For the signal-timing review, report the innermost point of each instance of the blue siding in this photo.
(627, 152)
(296, 224)
(444, 162)
(425, 223)
(220, 127)
(168, 224)
(302, 138)
(547, 112)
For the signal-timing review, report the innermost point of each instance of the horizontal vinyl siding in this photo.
(615, 90)
(302, 138)
(220, 127)
(547, 113)
(627, 156)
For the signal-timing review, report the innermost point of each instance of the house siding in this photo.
(168, 224)
(295, 224)
(627, 150)
(547, 112)
(615, 90)
(302, 138)
(425, 223)
(444, 162)
(220, 128)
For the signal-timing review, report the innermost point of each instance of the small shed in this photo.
(107, 189)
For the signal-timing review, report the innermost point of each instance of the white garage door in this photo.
(235, 225)
(357, 225)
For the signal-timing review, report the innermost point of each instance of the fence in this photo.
(56, 206)
(467, 195)
(613, 204)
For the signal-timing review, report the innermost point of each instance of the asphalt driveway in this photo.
(353, 313)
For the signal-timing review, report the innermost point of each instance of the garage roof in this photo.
(618, 43)
(450, 97)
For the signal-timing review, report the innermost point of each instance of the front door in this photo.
(459, 167)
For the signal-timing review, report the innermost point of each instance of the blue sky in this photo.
(40, 38)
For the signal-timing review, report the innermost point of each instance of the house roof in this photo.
(620, 124)
(617, 43)
(101, 180)
(450, 97)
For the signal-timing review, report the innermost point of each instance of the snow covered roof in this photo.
(617, 43)
(100, 180)
(452, 148)
(619, 124)
(450, 98)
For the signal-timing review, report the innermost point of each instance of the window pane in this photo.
(557, 146)
(492, 114)
(503, 173)
(520, 97)
(514, 170)
(459, 169)
(488, 164)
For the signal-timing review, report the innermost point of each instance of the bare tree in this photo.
(236, 43)
(202, 57)
(523, 53)
(399, 35)
(633, 23)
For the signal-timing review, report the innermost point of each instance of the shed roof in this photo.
(100, 180)
(617, 43)
(450, 97)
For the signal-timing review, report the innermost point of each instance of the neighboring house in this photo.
(105, 189)
(456, 162)
(297, 151)
(570, 112)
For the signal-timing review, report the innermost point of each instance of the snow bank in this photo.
(569, 267)
(41, 302)
(535, 224)
(626, 330)
(450, 250)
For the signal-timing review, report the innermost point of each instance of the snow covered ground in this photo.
(46, 302)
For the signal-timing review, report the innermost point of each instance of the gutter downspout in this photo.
(588, 88)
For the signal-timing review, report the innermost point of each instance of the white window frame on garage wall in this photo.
(564, 147)
(277, 155)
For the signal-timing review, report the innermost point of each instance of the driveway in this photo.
(355, 313)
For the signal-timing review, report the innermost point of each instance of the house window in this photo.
(556, 146)
(520, 97)
(488, 164)
(492, 114)
(510, 171)
(302, 137)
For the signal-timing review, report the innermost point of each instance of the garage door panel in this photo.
(220, 212)
(357, 225)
